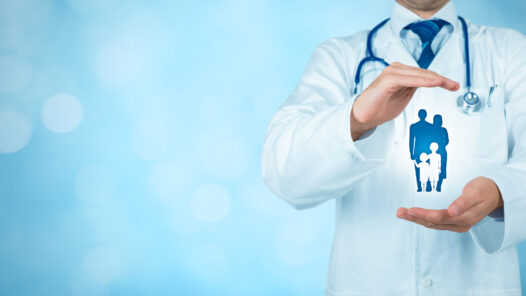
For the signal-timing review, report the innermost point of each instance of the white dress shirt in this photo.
(411, 40)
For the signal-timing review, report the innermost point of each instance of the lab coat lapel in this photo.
(397, 52)
(388, 46)
(393, 50)
(450, 56)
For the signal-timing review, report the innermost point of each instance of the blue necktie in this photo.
(426, 30)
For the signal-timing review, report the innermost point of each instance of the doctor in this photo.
(345, 139)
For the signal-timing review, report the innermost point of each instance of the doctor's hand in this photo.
(389, 94)
(479, 197)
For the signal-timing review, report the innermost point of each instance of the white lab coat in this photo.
(309, 157)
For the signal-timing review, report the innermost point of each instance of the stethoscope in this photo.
(468, 103)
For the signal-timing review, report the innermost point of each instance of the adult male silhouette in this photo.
(440, 136)
(419, 141)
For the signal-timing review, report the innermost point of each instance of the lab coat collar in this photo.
(450, 55)
(401, 17)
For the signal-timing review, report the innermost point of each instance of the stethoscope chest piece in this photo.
(469, 103)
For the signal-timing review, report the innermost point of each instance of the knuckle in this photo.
(475, 191)
(388, 69)
(434, 74)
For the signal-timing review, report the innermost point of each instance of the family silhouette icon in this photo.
(427, 146)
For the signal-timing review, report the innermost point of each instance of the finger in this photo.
(402, 69)
(428, 224)
(451, 227)
(432, 216)
(414, 71)
(449, 84)
(401, 213)
(442, 217)
(470, 217)
(465, 202)
(413, 81)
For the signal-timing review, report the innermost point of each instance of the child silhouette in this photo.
(435, 163)
(424, 171)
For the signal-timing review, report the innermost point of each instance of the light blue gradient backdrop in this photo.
(148, 181)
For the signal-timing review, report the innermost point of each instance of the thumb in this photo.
(463, 203)
(472, 194)
(460, 205)
(454, 209)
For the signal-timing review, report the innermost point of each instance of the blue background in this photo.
(131, 134)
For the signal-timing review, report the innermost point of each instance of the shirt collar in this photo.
(402, 16)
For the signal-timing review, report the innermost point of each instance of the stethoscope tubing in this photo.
(371, 57)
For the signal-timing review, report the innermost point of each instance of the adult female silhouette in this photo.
(442, 139)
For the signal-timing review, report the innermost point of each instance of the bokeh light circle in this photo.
(169, 179)
(119, 65)
(210, 203)
(62, 113)
(15, 73)
(130, 52)
(94, 184)
(223, 154)
(15, 131)
(150, 139)
(102, 264)
(256, 195)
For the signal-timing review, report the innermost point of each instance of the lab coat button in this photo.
(427, 282)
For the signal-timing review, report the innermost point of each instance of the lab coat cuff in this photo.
(497, 214)
(374, 145)
(496, 233)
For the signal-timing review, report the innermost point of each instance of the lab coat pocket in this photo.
(482, 135)
(492, 141)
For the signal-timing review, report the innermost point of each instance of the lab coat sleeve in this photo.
(308, 155)
(492, 234)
